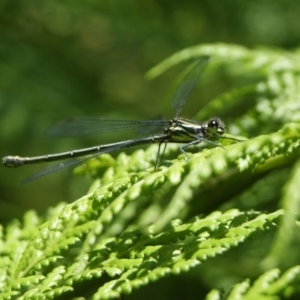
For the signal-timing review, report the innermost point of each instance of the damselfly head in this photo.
(214, 127)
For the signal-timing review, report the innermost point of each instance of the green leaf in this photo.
(227, 217)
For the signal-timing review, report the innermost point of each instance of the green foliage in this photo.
(219, 209)
(269, 286)
(74, 246)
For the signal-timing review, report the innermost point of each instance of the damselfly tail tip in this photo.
(6, 161)
(12, 161)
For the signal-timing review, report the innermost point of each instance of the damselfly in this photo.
(177, 130)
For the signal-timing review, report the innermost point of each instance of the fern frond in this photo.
(270, 285)
(131, 259)
(137, 225)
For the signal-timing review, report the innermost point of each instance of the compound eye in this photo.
(213, 124)
(216, 126)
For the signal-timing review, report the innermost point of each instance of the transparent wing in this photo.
(57, 167)
(72, 162)
(86, 126)
(188, 84)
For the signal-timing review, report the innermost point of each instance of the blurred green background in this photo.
(61, 59)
